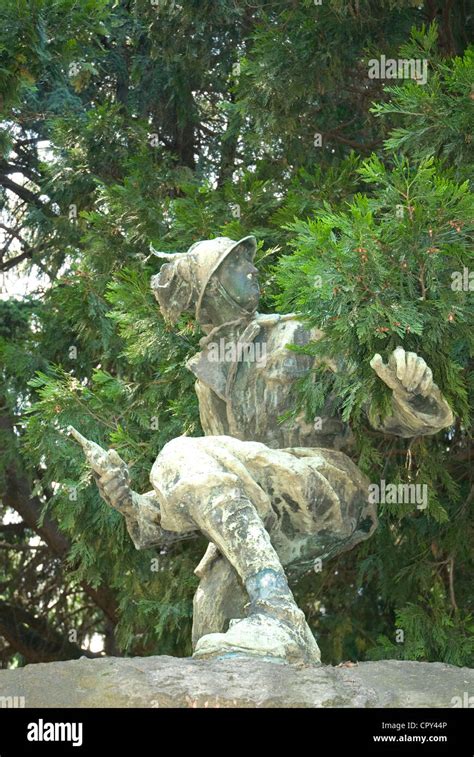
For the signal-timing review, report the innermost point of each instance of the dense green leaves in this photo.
(133, 123)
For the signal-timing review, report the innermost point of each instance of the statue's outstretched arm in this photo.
(141, 511)
(419, 408)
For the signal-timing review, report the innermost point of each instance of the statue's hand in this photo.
(114, 485)
(406, 372)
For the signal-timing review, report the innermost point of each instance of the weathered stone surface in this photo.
(177, 682)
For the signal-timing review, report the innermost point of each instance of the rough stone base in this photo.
(178, 682)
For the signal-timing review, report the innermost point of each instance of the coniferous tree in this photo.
(139, 122)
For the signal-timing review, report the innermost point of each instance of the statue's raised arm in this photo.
(419, 408)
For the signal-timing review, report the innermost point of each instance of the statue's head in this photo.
(215, 279)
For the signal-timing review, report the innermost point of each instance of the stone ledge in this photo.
(184, 682)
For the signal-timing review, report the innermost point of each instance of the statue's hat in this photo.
(181, 282)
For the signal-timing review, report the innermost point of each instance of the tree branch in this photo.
(22, 192)
(34, 639)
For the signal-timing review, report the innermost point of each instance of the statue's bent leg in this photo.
(219, 598)
(275, 626)
(197, 488)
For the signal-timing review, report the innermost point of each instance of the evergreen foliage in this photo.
(135, 122)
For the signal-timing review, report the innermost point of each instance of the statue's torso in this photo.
(246, 398)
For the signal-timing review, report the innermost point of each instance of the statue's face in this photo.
(238, 276)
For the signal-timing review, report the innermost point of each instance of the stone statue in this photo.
(268, 495)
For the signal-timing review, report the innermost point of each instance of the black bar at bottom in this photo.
(373, 731)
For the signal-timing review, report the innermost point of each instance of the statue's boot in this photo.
(275, 628)
(274, 631)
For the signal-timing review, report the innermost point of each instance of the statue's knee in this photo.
(235, 517)
(216, 517)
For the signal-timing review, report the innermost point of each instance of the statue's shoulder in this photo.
(286, 329)
(279, 333)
